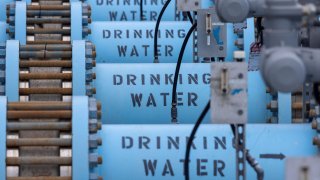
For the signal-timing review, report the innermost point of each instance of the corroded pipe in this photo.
(17, 126)
(51, 63)
(47, 160)
(56, 114)
(42, 178)
(29, 91)
(29, 76)
(39, 142)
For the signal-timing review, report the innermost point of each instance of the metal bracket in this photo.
(212, 34)
(303, 168)
(188, 5)
(229, 93)
(240, 146)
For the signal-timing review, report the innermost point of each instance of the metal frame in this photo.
(12, 70)
(21, 22)
(76, 20)
(80, 138)
(3, 136)
(79, 68)
(240, 146)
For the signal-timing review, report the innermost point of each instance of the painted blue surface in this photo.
(21, 22)
(3, 4)
(3, 34)
(78, 68)
(105, 35)
(80, 138)
(284, 108)
(231, 37)
(248, 37)
(124, 163)
(76, 20)
(27, 1)
(12, 70)
(114, 10)
(117, 101)
(3, 136)
(258, 98)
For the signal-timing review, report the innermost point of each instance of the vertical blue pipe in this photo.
(12, 70)
(285, 108)
(78, 68)
(3, 136)
(76, 20)
(80, 138)
(21, 22)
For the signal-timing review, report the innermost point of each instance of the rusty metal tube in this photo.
(28, 91)
(48, 47)
(56, 114)
(39, 142)
(45, 54)
(28, 76)
(51, 63)
(48, 42)
(65, 21)
(62, 13)
(41, 178)
(48, 31)
(40, 105)
(17, 126)
(48, 7)
(43, 105)
(47, 160)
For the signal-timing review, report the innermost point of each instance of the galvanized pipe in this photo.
(18, 126)
(39, 142)
(47, 160)
(56, 114)
(29, 76)
(51, 63)
(48, 31)
(45, 54)
(29, 91)
(42, 178)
